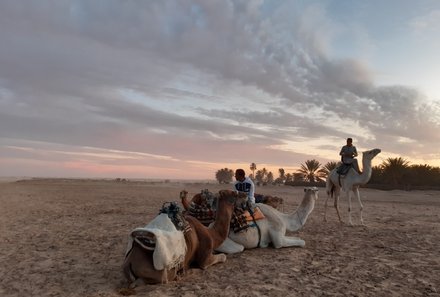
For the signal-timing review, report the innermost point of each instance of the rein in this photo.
(255, 222)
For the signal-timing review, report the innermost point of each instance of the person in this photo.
(245, 185)
(348, 153)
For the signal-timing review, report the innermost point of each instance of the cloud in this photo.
(427, 22)
(220, 78)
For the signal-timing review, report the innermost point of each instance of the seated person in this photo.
(348, 153)
(245, 185)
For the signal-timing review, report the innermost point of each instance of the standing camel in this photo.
(349, 183)
(197, 245)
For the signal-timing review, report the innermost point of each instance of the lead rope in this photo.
(253, 219)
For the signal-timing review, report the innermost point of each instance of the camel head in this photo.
(233, 197)
(311, 192)
(370, 154)
(183, 194)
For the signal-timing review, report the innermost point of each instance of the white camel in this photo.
(272, 229)
(349, 183)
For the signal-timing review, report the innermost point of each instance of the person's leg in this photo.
(356, 166)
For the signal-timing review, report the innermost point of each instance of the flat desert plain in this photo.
(67, 237)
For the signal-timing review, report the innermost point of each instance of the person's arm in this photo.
(355, 153)
(252, 190)
(344, 152)
(234, 186)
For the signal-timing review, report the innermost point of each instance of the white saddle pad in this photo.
(170, 246)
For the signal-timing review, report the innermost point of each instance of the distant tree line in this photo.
(393, 173)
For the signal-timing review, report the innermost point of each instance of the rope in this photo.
(253, 219)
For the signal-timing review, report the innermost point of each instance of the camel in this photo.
(272, 228)
(198, 245)
(202, 205)
(349, 183)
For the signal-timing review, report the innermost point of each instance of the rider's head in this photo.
(349, 141)
(240, 175)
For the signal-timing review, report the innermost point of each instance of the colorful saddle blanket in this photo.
(243, 219)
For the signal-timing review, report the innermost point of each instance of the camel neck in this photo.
(365, 176)
(222, 221)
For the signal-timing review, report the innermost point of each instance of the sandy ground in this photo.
(68, 237)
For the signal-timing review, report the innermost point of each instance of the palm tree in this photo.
(423, 175)
(328, 167)
(312, 171)
(376, 175)
(253, 167)
(280, 180)
(282, 173)
(394, 169)
(269, 178)
(289, 179)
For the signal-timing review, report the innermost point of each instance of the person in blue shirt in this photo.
(245, 185)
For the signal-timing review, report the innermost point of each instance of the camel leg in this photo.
(204, 254)
(336, 204)
(230, 247)
(280, 241)
(325, 207)
(348, 193)
(212, 259)
(356, 191)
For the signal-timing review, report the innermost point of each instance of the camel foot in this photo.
(221, 258)
(218, 258)
(127, 291)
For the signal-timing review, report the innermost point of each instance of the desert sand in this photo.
(66, 237)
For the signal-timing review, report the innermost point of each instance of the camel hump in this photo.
(173, 211)
(168, 247)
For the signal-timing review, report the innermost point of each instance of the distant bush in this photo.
(224, 176)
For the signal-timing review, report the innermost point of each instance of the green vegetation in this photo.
(393, 173)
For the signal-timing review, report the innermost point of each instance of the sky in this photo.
(180, 89)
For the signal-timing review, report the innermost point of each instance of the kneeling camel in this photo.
(272, 229)
(198, 246)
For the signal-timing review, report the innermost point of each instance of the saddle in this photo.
(147, 239)
(203, 210)
(343, 168)
(165, 237)
(242, 219)
(175, 214)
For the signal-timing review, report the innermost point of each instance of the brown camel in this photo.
(200, 240)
